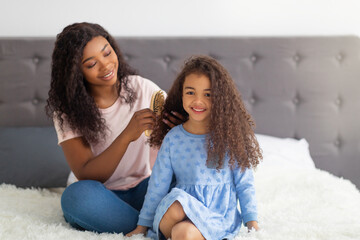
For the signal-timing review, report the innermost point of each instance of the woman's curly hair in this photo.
(69, 95)
(231, 126)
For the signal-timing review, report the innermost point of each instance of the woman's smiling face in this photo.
(99, 64)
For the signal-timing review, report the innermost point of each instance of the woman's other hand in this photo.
(138, 230)
(173, 119)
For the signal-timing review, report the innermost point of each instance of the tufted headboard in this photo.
(301, 87)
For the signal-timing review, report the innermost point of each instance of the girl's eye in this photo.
(107, 54)
(190, 93)
(207, 95)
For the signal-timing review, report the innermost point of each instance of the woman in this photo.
(100, 111)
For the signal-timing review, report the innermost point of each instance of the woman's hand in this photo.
(138, 230)
(173, 119)
(252, 225)
(141, 120)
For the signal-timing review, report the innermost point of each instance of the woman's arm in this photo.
(86, 166)
(173, 119)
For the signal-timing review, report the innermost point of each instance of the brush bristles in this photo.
(157, 105)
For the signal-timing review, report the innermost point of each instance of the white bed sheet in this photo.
(296, 201)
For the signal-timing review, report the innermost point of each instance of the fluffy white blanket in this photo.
(293, 204)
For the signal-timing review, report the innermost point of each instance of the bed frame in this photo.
(298, 87)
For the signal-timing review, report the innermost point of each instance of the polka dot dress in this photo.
(208, 196)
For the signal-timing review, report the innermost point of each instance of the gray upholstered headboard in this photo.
(302, 87)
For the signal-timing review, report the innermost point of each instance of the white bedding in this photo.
(296, 201)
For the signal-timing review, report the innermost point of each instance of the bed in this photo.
(303, 93)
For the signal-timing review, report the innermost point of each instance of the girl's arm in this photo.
(159, 184)
(82, 161)
(245, 191)
(252, 225)
(138, 230)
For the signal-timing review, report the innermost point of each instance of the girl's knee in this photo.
(182, 231)
(175, 212)
(186, 230)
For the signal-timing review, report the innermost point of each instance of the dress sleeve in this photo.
(245, 191)
(159, 184)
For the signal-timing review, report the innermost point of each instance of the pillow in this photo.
(30, 157)
(285, 152)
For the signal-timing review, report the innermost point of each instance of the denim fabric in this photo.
(88, 205)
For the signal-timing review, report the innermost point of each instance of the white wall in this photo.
(183, 17)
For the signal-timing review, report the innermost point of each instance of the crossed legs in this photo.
(89, 205)
(176, 225)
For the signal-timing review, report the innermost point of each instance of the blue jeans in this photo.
(88, 205)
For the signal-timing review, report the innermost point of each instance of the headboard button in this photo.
(252, 100)
(35, 101)
(167, 59)
(296, 100)
(253, 58)
(36, 60)
(337, 143)
(339, 57)
(338, 101)
(296, 58)
(214, 56)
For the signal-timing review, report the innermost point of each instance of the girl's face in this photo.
(99, 63)
(197, 98)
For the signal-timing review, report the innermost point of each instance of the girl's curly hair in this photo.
(231, 126)
(69, 95)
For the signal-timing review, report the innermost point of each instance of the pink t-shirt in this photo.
(139, 158)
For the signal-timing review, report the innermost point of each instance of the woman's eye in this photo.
(92, 65)
(207, 95)
(190, 93)
(107, 54)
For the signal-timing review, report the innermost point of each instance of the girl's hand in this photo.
(252, 225)
(173, 119)
(141, 120)
(138, 230)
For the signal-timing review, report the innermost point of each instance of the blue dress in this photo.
(208, 197)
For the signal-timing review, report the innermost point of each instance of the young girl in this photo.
(210, 154)
(100, 109)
